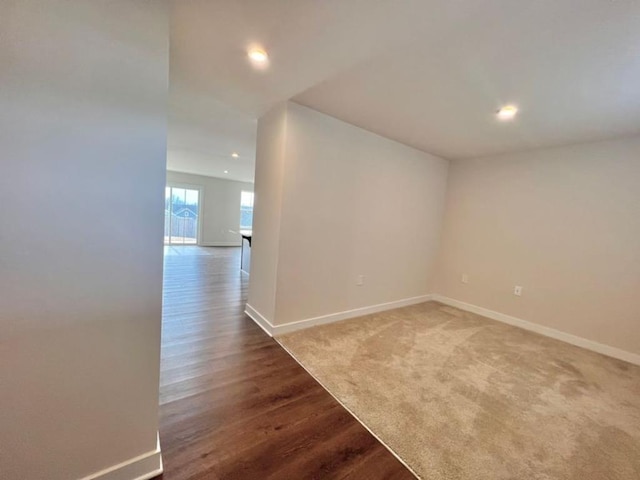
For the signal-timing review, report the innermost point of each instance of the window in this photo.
(246, 210)
(181, 216)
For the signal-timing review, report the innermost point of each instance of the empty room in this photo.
(337, 239)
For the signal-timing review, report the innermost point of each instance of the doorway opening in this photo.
(181, 215)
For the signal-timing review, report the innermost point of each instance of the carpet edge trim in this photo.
(402, 461)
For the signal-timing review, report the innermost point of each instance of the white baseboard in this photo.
(142, 467)
(542, 330)
(274, 330)
(220, 244)
(257, 317)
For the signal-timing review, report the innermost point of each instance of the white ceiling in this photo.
(203, 133)
(428, 73)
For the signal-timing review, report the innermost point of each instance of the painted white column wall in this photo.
(83, 92)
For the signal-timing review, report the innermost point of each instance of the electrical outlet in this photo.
(360, 280)
(465, 278)
(517, 290)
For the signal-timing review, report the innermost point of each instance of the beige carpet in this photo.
(459, 396)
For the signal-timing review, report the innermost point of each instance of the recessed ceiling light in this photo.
(258, 56)
(235, 155)
(507, 112)
(226, 171)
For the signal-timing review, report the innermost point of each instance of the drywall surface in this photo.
(354, 204)
(267, 210)
(219, 206)
(83, 91)
(355, 208)
(563, 223)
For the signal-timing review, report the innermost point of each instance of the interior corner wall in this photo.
(83, 93)
(351, 203)
(564, 223)
(219, 207)
(269, 174)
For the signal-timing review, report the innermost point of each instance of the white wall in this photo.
(351, 203)
(334, 202)
(219, 207)
(564, 223)
(83, 89)
(269, 176)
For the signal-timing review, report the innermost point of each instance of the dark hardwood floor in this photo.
(233, 403)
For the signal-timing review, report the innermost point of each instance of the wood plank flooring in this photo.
(233, 403)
